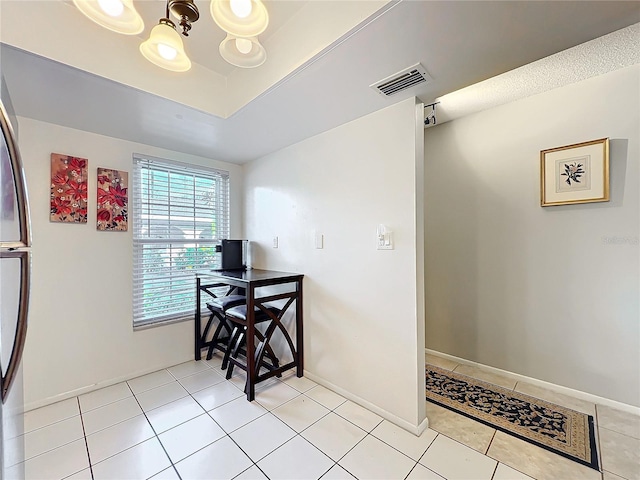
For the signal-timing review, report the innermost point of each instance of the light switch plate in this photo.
(319, 240)
(275, 242)
(385, 242)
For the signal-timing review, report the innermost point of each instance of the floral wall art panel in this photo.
(68, 189)
(112, 200)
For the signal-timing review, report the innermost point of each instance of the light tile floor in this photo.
(188, 422)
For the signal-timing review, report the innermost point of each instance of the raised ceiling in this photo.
(298, 30)
(323, 55)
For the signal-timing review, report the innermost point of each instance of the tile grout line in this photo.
(367, 433)
(412, 469)
(242, 450)
(154, 431)
(299, 434)
(597, 427)
(332, 466)
(249, 468)
(497, 463)
(25, 460)
(391, 446)
(208, 413)
(616, 432)
(495, 430)
(347, 452)
(422, 455)
(84, 434)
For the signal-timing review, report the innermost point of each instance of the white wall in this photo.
(80, 326)
(363, 319)
(551, 293)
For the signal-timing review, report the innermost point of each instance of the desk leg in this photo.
(299, 332)
(197, 334)
(250, 340)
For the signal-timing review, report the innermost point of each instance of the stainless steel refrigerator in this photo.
(15, 269)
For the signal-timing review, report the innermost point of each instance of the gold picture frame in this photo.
(573, 174)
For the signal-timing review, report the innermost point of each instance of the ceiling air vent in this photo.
(407, 78)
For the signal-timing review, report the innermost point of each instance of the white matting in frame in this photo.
(576, 173)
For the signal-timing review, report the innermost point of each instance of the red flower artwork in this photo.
(112, 199)
(77, 191)
(59, 179)
(77, 165)
(119, 195)
(104, 215)
(104, 196)
(60, 206)
(68, 189)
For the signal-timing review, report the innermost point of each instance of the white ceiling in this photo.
(323, 55)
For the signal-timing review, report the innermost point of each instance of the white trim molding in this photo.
(97, 386)
(409, 427)
(589, 397)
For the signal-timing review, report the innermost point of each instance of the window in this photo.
(180, 213)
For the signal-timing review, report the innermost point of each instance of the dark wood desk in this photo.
(250, 280)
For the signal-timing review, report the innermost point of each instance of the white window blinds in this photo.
(180, 212)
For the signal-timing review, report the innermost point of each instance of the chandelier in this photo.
(242, 20)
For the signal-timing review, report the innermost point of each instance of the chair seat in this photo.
(221, 304)
(240, 313)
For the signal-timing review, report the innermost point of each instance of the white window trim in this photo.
(146, 237)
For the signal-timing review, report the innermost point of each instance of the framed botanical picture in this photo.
(575, 173)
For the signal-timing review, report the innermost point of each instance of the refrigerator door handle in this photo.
(9, 141)
(21, 328)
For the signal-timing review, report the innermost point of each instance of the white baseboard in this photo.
(409, 427)
(95, 386)
(589, 397)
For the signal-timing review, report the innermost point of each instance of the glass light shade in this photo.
(255, 57)
(241, 8)
(113, 8)
(159, 49)
(244, 45)
(167, 52)
(129, 22)
(250, 26)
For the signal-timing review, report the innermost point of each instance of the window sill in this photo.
(161, 323)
